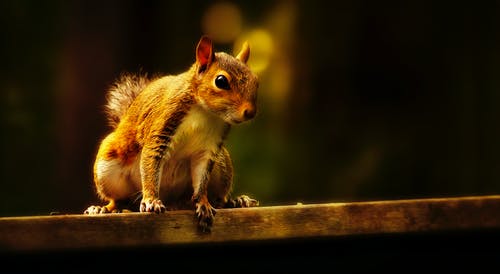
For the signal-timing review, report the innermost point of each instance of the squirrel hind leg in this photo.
(111, 207)
(241, 201)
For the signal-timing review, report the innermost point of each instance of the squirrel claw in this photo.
(205, 214)
(243, 201)
(94, 210)
(152, 205)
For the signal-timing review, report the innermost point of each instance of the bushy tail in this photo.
(122, 93)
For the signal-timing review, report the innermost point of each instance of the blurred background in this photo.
(359, 100)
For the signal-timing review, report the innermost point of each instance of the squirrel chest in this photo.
(200, 131)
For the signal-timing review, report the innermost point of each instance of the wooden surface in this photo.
(66, 232)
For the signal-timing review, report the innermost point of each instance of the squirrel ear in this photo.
(204, 53)
(244, 53)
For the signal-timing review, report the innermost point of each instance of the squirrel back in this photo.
(122, 93)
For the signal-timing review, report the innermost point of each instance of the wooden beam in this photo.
(41, 233)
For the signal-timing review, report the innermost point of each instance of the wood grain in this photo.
(39, 233)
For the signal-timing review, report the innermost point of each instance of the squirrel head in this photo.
(224, 84)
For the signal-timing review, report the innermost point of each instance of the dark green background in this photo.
(388, 99)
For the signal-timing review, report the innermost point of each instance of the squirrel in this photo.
(166, 147)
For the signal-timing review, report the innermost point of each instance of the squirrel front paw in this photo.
(205, 214)
(152, 205)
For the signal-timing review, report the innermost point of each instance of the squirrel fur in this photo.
(166, 147)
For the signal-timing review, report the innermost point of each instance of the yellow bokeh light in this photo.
(261, 48)
(222, 22)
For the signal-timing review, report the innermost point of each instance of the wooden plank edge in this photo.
(39, 233)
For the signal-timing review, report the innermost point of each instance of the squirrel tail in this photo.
(121, 94)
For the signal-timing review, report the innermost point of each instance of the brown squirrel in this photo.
(167, 143)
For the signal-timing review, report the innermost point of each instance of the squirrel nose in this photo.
(249, 112)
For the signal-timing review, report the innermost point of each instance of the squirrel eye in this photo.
(222, 82)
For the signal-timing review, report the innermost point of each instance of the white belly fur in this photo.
(116, 180)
